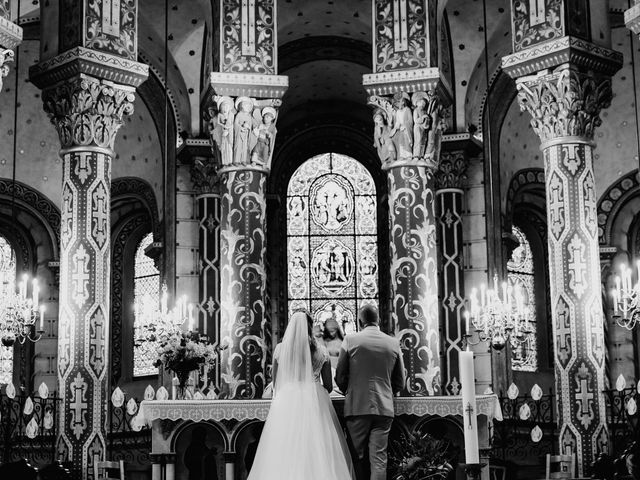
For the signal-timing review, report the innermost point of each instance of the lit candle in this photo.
(23, 286)
(163, 303)
(183, 313)
(35, 293)
(469, 412)
(42, 318)
(466, 319)
(483, 295)
(191, 321)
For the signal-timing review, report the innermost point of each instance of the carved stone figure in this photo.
(243, 125)
(222, 128)
(402, 128)
(382, 138)
(5, 57)
(265, 134)
(422, 124)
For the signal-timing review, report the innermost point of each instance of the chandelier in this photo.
(19, 312)
(626, 298)
(497, 318)
(154, 321)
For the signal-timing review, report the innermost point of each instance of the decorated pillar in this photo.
(449, 195)
(205, 183)
(564, 82)
(408, 94)
(10, 38)
(88, 87)
(246, 94)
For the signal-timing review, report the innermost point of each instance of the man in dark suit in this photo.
(370, 372)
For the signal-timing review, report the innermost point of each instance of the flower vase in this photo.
(183, 380)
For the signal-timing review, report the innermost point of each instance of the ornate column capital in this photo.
(6, 56)
(408, 128)
(452, 170)
(10, 38)
(242, 129)
(87, 111)
(564, 103)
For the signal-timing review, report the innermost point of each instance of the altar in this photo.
(227, 431)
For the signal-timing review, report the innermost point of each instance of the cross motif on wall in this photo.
(563, 331)
(97, 342)
(78, 406)
(556, 206)
(80, 276)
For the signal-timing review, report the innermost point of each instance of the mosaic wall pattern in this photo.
(243, 283)
(332, 240)
(247, 38)
(84, 305)
(414, 276)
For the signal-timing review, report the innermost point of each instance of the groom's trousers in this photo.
(371, 430)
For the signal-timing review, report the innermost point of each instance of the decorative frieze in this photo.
(408, 128)
(87, 111)
(564, 103)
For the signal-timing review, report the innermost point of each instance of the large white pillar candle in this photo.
(470, 420)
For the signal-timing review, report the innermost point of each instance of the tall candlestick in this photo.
(35, 292)
(469, 417)
(191, 322)
(42, 318)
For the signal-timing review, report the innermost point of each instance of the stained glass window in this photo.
(146, 292)
(7, 278)
(332, 239)
(524, 356)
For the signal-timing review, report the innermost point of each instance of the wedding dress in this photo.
(302, 438)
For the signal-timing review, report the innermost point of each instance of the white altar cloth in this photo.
(202, 410)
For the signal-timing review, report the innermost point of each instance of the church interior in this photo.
(178, 177)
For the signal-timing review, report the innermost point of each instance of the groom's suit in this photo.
(370, 371)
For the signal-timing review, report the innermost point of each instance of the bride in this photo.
(302, 438)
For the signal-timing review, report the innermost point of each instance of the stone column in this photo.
(86, 94)
(10, 38)
(205, 182)
(246, 94)
(564, 84)
(449, 195)
(408, 93)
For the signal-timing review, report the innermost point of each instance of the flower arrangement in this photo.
(183, 352)
(421, 457)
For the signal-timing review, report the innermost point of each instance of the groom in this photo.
(370, 372)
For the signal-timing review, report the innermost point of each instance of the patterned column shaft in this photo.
(414, 284)
(87, 114)
(209, 282)
(451, 281)
(576, 301)
(243, 282)
(449, 179)
(565, 106)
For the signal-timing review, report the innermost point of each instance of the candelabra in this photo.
(154, 322)
(20, 312)
(626, 298)
(497, 320)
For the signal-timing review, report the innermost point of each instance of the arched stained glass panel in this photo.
(146, 292)
(524, 356)
(7, 281)
(332, 239)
